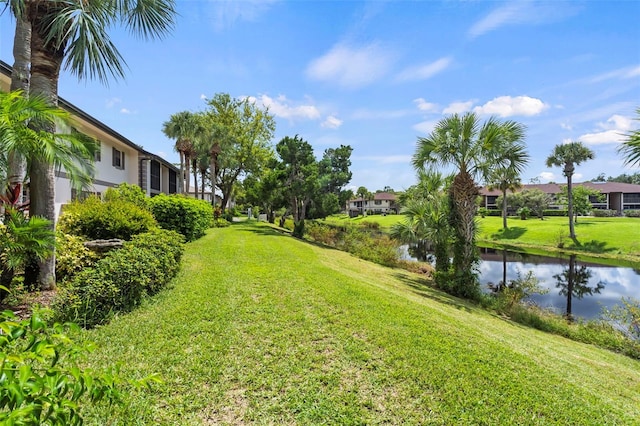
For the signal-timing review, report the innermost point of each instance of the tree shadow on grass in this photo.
(421, 288)
(592, 246)
(512, 233)
(271, 231)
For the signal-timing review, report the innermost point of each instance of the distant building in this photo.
(381, 203)
(117, 159)
(617, 196)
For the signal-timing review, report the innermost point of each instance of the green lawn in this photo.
(607, 238)
(263, 328)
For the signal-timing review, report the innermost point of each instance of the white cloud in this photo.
(547, 176)
(566, 126)
(458, 107)
(225, 13)
(425, 127)
(507, 106)
(424, 72)
(285, 108)
(621, 73)
(577, 176)
(332, 122)
(424, 105)
(112, 102)
(351, 67)
(613, 131)
(203, 97)
(520, 13)
(125, 111)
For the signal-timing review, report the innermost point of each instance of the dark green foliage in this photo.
(72, 256)
(22, 241)
(560, 212)
(120, 280)
(97, 220)
(604, 213)
(42, 382)
(298, 229)
(632, 213)
(187, 216)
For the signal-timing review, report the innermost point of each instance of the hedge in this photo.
(187, 216)
(119, 281)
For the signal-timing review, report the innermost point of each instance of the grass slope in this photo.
(262, 328)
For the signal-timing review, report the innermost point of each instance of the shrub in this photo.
(72, 256)
(98, 220)
(524, 212)
(632, 213)
(188, 216)
(119, 281)
(483, 211)
(42, 381)
(129, 193)
(604, 213)
(322, 233)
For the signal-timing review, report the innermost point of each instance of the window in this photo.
(155, 175)
(631, 198)
(98, 154)
(378, 202)
(83, 195)
(118, 159)
(173, 182)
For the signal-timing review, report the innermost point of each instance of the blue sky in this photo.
(377, 75)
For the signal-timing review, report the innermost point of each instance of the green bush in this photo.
(129, 193)
(42, 381)
(632, 213)
(119, 281)
(72, 256)
(98, 220)
(188, 216)
(604, 213)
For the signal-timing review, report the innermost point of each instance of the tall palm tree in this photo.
(630, 148)
(505, 176)
(568, 156)
(77, 31)
(472, 147)
(181, 126)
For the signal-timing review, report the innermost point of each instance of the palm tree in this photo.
(630, 148)
(568, 156)
(181, 127)
(426, 221)
(470, 146)
(363, 193)
(76, 30)
(506, 175)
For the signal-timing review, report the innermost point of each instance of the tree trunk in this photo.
(187, 173)
(569, 174)
(182, 172)
(195, 177)
(20, 77)
(504, 209)
(45, 70)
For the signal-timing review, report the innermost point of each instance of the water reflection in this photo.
(574, 281)
(606, 284)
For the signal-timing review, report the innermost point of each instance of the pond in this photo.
(592, 286)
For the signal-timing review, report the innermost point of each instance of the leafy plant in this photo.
(119, 281)
(187, 216)
(41, 378)
(626, 316)
(95, 219)
(72, 256)
(129, 193)
(22, 240)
